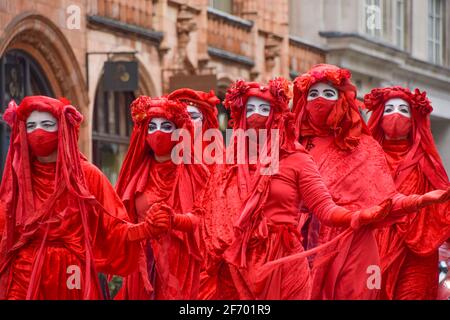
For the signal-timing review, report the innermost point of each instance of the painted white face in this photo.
(322, 90)
(259, 106)
(42, 120)
(397, 105)
(195, 113)
(161, 124)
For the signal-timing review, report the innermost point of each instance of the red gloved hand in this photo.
(157, 223)
(371, 215)
(184, 222)
(434, 197)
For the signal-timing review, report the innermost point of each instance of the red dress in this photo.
(64, 246)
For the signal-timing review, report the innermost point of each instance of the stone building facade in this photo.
(59, 48)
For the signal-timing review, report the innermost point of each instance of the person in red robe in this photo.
(64, 222)
(228, 188)
(267, 228)
(400, 122)
(354, 168)
(169, 267)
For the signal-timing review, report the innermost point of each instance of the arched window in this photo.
(112, 128)
(20, 76)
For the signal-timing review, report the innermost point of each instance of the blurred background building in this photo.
(102, 54)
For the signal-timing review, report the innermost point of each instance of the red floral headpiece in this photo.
(418, 100)
(337, 77)
(145, 108)
(277, 92)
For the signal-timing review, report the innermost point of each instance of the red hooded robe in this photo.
(61, 217)
(409, 250)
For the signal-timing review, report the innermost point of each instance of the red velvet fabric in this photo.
(409, 250)
(58, 215)
(169, 266)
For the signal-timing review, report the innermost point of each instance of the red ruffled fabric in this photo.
(169, 267)
(58, 215)
(409, 250)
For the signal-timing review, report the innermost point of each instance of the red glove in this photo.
(184, 222)
(157, 223)
(341, 217)
(412, 203)
(371, 215)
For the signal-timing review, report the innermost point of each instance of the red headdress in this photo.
(423, 150)
(206, 102)
(345, 121)
(23, 220)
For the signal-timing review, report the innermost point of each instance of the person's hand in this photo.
(371, 215)
(157, 223)
(434, 197)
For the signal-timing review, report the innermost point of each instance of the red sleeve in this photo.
(114, 253)
(316, 195)
(2, 218)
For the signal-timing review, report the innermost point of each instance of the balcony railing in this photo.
(303, 56)
(138, 12)
(231, 34)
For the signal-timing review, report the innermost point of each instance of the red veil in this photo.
(23, 221)
(418, 169)
(134, 175)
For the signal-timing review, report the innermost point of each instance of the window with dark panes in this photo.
(112, 128)
(20, 76)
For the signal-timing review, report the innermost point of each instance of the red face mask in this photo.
(318, 111)
(42, 143)
(161, 143)
(257, 121)
(396, 126)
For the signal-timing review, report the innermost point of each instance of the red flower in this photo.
(139, 109)
(279, 89)
(421, 102)
(10, 114)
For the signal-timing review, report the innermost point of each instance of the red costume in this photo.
(169, 266)
(355, 171)
(61, 217)
(409, 250)
(268, 222)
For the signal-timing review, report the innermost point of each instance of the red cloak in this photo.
(61, 217)
(355, 171)
(410, 250)
(169, 266)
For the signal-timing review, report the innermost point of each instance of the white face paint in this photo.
(161, 124)
(195, 113)
(397, 105)
(259, 106)
(42, 120)
(323, 90)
